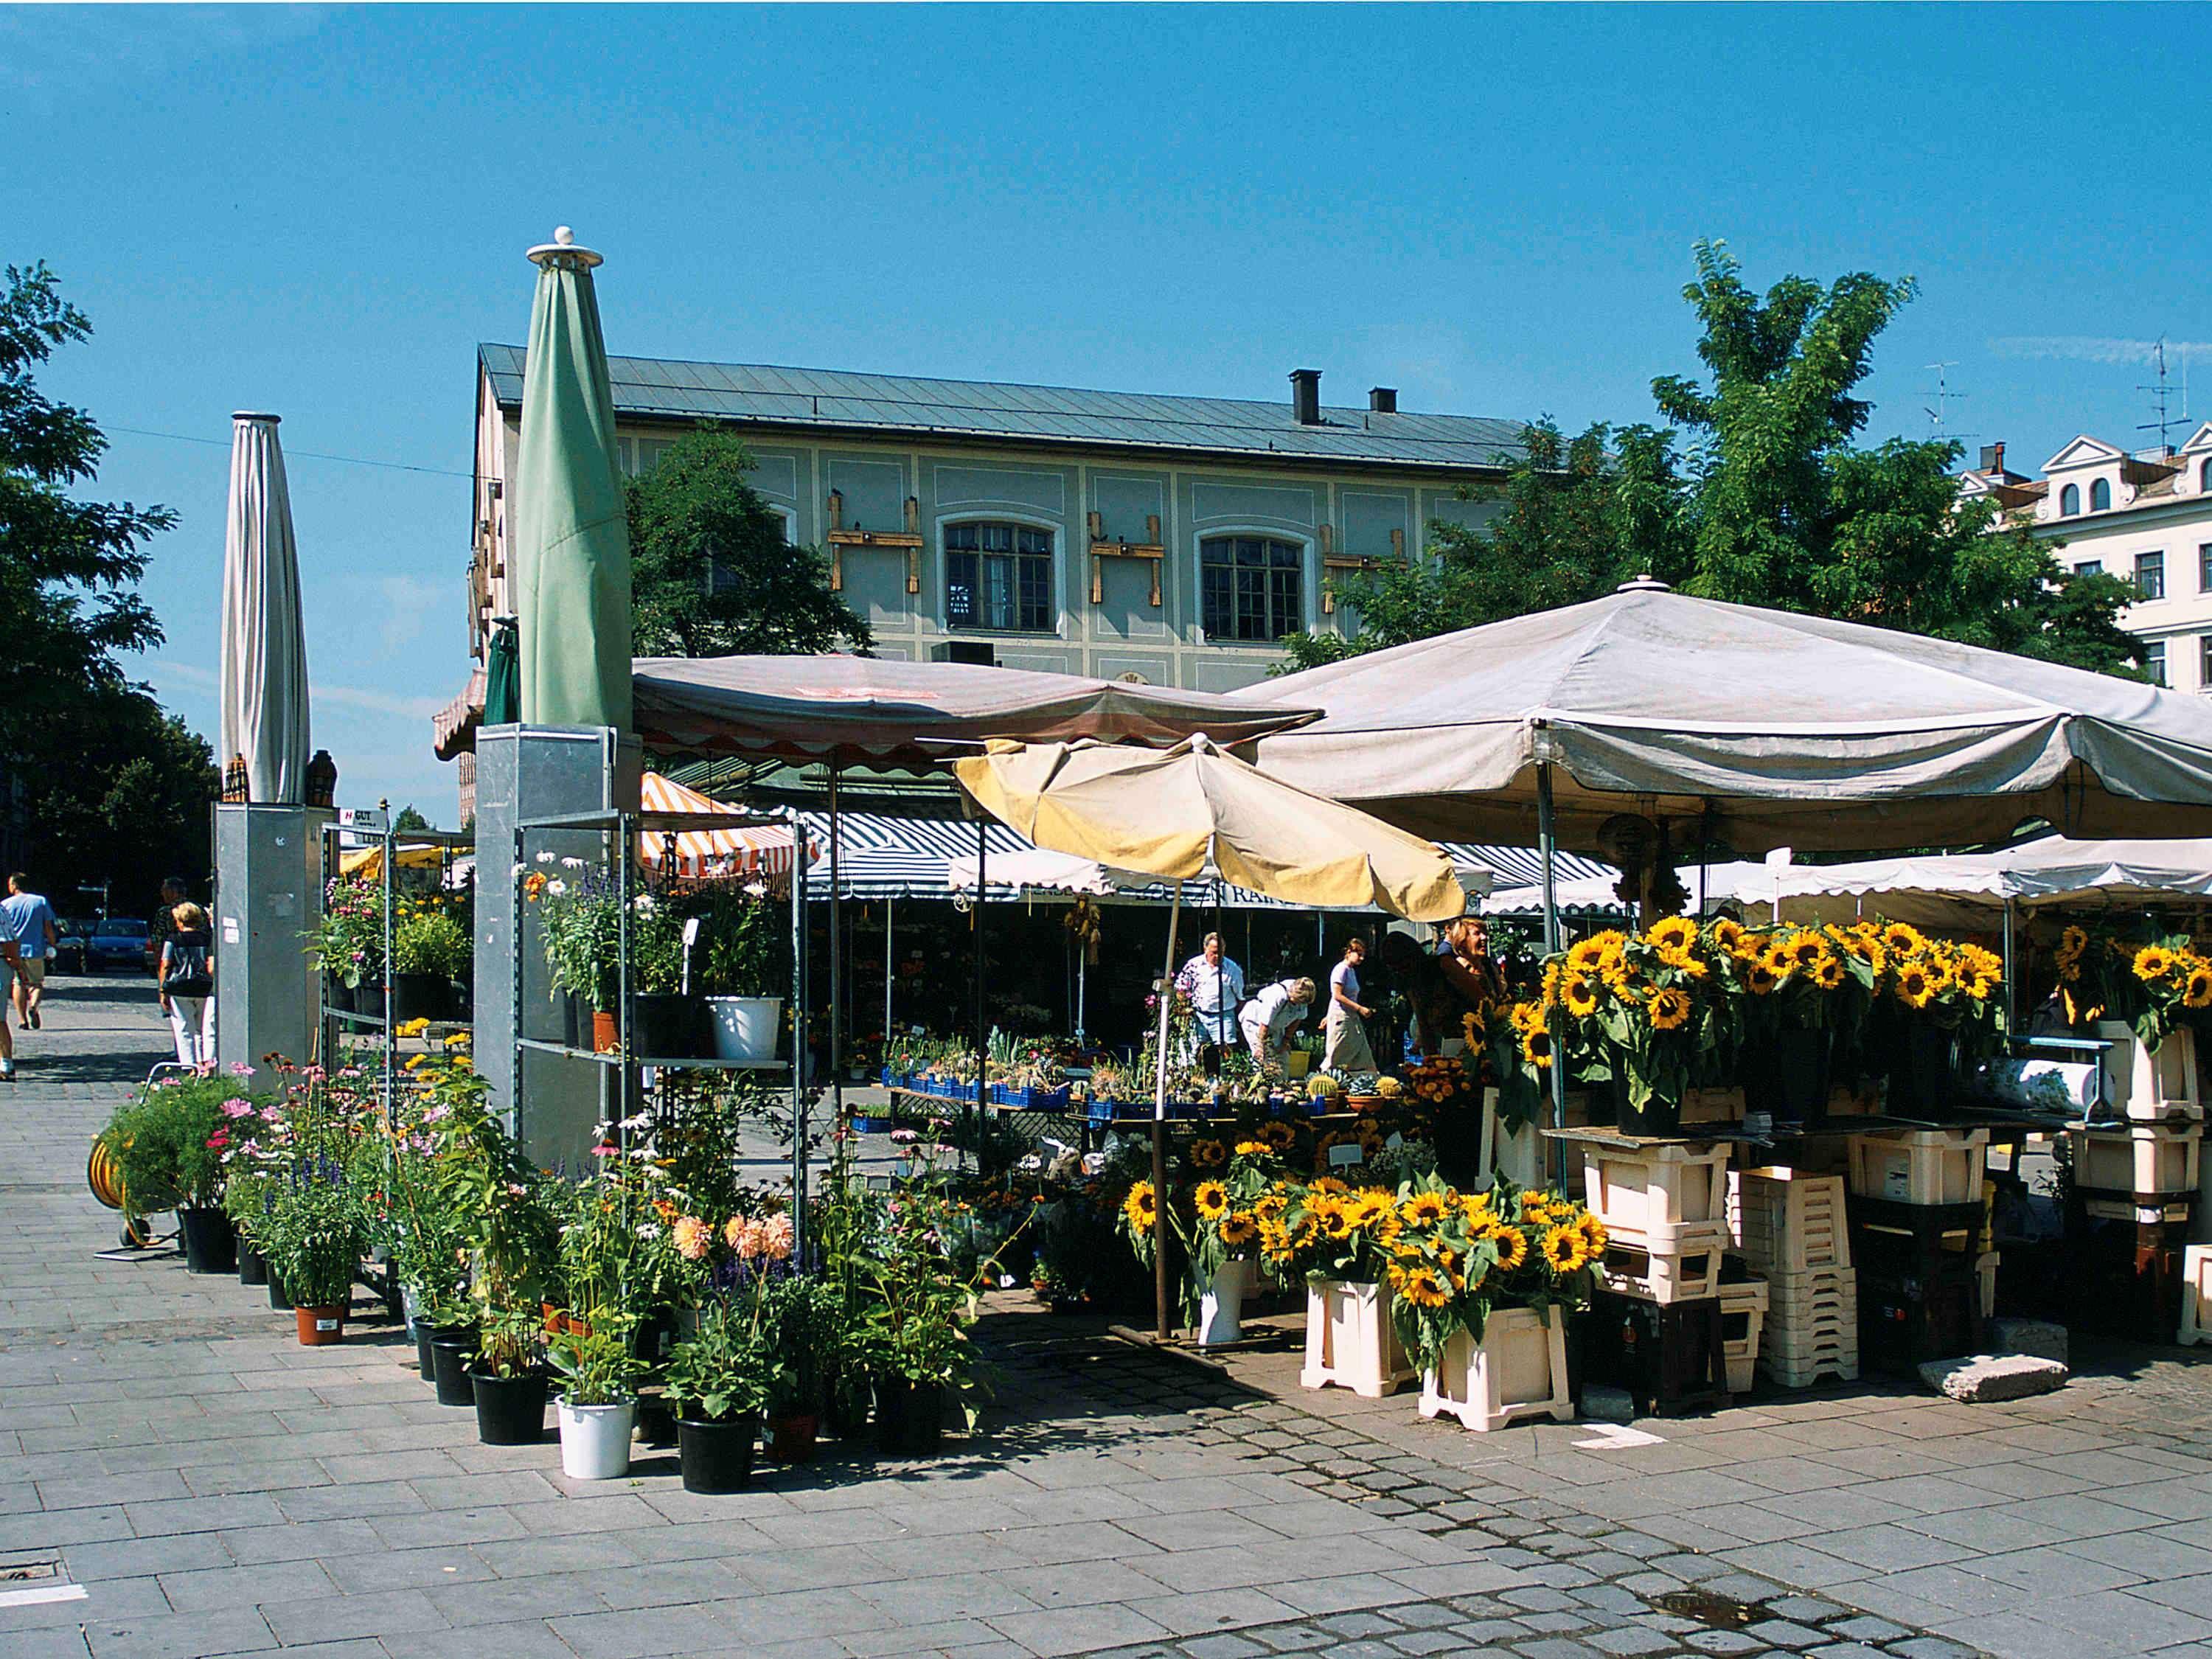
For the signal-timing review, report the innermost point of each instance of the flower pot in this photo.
(790, 1438)
(1351, 1342)
(279, 1298)
(449, 1367)
(844, 1409)
(746, 1028)
(1921, 1080)
(510, 1410)
(1657, 1116)
(663, 1026)
(210, 1241)
(716, 1454)
(338, 994)
(252, 1266)
(1787, 1078)
(423, 1361)
(595, 1440)
(910, 1416)
(1297, 1063)
(369, 998)
(321, 1325)
(461, 1000)
(421, 996)
(1518, 1370)
(606, 1032)
(1221, 1304)
(656, 1420)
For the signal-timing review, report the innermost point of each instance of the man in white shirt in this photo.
(1268, 1019)
(1215, 986)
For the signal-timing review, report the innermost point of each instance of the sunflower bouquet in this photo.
(2156, 981)
(1651, 1011)
(1452, 1257)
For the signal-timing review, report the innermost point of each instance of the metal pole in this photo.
(622, 1067)
(389, 1069)
(889, 967)
(1160, 1129)
(982, 1032)
(2012, 993)
(836, 967)
(798, 1036)
(1547, 848)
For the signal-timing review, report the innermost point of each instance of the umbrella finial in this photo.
(563, 250)
(1645, 583)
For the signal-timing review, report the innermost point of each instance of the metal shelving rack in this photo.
(621, 1066)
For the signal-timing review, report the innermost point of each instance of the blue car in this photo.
(118, 942)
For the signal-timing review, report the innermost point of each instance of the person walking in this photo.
(1348, 1049)
(11, 954)
(1215, 987)
(1271, 1016)
(186, 984)
(27, 918)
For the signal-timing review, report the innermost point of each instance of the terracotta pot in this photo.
(791, 1439)
(606, 1033)
(320, 1327)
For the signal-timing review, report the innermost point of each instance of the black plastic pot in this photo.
(422, 1359)
(210, 1241)
(278, 1296)
(421, 996)
(252, 1266)
(340, 995)
(1922, 1071)
(910, 1416)
(1659, 1115)
(510, 1410)
(449, 1370)
(1787, 1078)
(716, 1455)
(845, 1406)
(665, 1026)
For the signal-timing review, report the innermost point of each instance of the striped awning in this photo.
(750, 850)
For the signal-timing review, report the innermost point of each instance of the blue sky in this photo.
(321, 211)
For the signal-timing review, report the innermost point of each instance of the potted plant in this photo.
(596, 1358)
(743, 960)
(430, 952)
(348, 943)
(917, 1325)
(666, 1022)
(169, 1146)
(580, 921)
(717, 1381)
(312, 1236)
(802, 1317)
(506, 1377)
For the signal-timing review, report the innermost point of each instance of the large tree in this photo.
(711, 573)
(100, 785)
(1773, 503)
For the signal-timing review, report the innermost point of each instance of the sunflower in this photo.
(1366, 1209)
(1563, 1250)
(1211, 1199)
(1583, 954)
(1594, 1238)
(1330, 1185)
(1238, 1229)
(1138, 1209)
(1208, 1154)
(1828, 973)
(1474, 1209)
(1525, 1018)
(1512, 1247)
(1727, 934)
(1901, 940)
(1424, 1209)
(1536, 1049)
(1758, 979)
(1807, 949)
(1579, 994)
(1916, 986)
(1269, 1207)
(1253, 1149)
(1670, 1009)
(2196, 991)
(1534, 1203)
(1419, 1285)
(1336, 1223)
(2071, 943)
(1671, 933)
(2154, 962)
(1277, 1135)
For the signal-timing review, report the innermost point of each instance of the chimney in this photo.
(1382, 400)
(1993, 458)
(1305, 396)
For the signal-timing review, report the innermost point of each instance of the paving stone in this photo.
(1629, 1642)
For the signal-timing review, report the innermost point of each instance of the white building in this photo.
(2145, 516)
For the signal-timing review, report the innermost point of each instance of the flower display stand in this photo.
(1681, 1264)
(1350, 1340)
(1743, 1312)
(1671, 1356)
(1919, 1166)
(2151, 1085)
(1221, 1303)
(1657, 1193)
(1788, 1221)
(1517, 1155)
(1518, 1370)
(2195, 1294)
(2146, 1158)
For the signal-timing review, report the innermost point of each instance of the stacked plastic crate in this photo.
(1791, 1230)
(1657, 1329)
(2135, 1188)
(1918, 1223)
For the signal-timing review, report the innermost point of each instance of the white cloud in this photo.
(408, 602)
(2097, 349)
(191, 679)
(57, 50)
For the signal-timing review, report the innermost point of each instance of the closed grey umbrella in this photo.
(264, 651)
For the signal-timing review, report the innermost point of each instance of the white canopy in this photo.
(1037, 870)
(265, 653)
(1754, 728)
(1970, 888)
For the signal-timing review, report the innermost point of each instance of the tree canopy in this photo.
(711, 573)
(1772, 502)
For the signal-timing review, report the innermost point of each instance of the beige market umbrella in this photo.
(1193, 810)
(264, 652)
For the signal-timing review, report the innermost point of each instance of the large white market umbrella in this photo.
(265, 650)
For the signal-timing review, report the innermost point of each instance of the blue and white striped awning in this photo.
(881, 856)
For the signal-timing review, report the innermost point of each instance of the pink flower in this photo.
(776, 1238)
(239, 1068)
(219, 1140)
(604, 1150)
(691, 1238)
(237, 1108)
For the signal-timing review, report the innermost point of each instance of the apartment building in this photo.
(2145, 515)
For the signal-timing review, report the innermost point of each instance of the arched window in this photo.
(997, 576)
(2100, 496)
(1251, 588)
(2204, 477)
(2070, 500)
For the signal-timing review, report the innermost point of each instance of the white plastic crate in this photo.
(2150, 1210)
(1832, 1367)
(2147, 1086)
(1688, 1271)
(1351, 1342)
(1919, 1166)
(1787, 1221)
(2149, 1159)
(1650, 1190)
(1746, 1301)
(1985, 1270)
(2195, 1294)
(1518, 1370)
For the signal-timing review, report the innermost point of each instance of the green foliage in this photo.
(160, 1140)
(711, 573)
(346, 941)
(725, 1369)
(597, 1360)
(313, 1231)
(744, 944)
(1774, 504)
(510, 1339)
(430, 941)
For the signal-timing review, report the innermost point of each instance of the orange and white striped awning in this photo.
(760, 849)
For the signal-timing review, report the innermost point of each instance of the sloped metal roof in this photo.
(651, 388)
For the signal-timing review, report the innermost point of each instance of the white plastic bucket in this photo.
(746, 1028)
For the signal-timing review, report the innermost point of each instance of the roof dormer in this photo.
(2084, 451)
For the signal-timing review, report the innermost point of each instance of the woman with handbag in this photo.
(187, 983)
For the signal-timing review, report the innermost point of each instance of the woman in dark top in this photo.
(186, 985)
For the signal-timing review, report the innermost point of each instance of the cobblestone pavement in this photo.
(215, 1489)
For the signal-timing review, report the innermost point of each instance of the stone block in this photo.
(1601, 1404)
(1983, 1379)
(2040, 1338)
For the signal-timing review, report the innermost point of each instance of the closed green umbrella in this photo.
(572, 552)
(502, 704)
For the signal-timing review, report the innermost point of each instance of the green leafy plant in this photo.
(745, 944)
(804, 1319)
(597, 1360)
(510, 1340)
(312, 1232)
(430, 941)
(170, 1139)
(348, 943)
(725, 1369)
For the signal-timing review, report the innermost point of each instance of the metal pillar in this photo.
(1547, 847)
(982, 1026)
(836, 967)
(798, 1036)
(1165, 994)
(268, 891)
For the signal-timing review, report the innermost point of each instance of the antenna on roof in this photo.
(1940, 412)
(2160, 392)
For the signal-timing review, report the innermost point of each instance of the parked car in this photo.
(71, 933)
(118, 942)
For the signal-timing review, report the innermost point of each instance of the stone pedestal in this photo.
(267, 893)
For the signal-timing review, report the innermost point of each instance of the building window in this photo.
(2204, 662)
(1251, 588)
(722, 576)
(2204, 567)
(2090, 567)
(2100, 495)
(2154, 660)
(2150, 575)
(2204, 477)
(2070, 500)
(997, 576)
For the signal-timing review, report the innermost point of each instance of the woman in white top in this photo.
(1347, 1050)
(1267, 1020)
